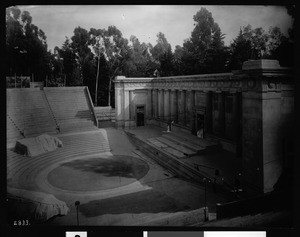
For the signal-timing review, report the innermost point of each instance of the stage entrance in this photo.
(140, 115)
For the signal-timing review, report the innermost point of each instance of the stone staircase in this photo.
(183, 145)
(192, 142)
(167, 157)
(70, 108)
(105, 116)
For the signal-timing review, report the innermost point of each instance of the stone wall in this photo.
(253, 108)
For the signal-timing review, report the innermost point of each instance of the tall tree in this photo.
(140, 62)
(67, 55)
(84, 56)
(115, 51)
(205, 50)
(26, 45)
(249, 44)
(162, 53)
(240, 51)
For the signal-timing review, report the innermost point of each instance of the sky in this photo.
(146, 21)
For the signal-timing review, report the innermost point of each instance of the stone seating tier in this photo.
(34, 111)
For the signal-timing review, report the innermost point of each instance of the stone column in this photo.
(156, 103)
(181, 108)
(131, 107)
(170, 105)
(235, 110)
(153, 103)
(190, 105)
(126, 107)
(173, 105)
(222, 113)
(166, 105)
(119, 104)
(208, 112)
(184, 107)
(219, 114)
(160, 104)
(149, 104)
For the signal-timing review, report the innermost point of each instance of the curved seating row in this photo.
(22, 171)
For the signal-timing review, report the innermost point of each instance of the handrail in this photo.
(54, 118)
(91, 105)
(108, 116)
(21, 132)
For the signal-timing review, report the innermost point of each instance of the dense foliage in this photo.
(94, 57)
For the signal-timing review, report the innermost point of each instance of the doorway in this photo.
(140, 115)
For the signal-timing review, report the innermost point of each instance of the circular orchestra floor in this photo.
(95, 174)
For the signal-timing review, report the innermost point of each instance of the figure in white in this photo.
(200, 132)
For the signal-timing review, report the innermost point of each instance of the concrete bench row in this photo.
(22, 171)
(42, 110)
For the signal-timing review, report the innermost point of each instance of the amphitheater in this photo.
(127, 175)
(72, 173)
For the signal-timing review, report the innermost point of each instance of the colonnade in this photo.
(221, 109)
(172, 105)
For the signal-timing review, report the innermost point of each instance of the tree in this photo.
(177, 60)
(241, 51)
(257, 44)
(140, 62)
(67, 55)
(84, 56)
(204, 51)
(286, 52)
(26, 45)
(275, 40)
(162, 53)
(249, 44)
(115, 52)
(217, 54)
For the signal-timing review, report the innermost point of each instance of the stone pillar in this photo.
(190, 103)
(160, 104)
(131, 107)
(182, 108)
(170, 105)
(208, 112)
(218, 114)
(173, 105)
(166, 105)
(153, 103)
(149, 104)
(157, 103)
(263, 123)
(126, 109)
(236, 117)
(222, 113)
(119, 104)
(230, 115)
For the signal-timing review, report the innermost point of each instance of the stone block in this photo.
(261, 64)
